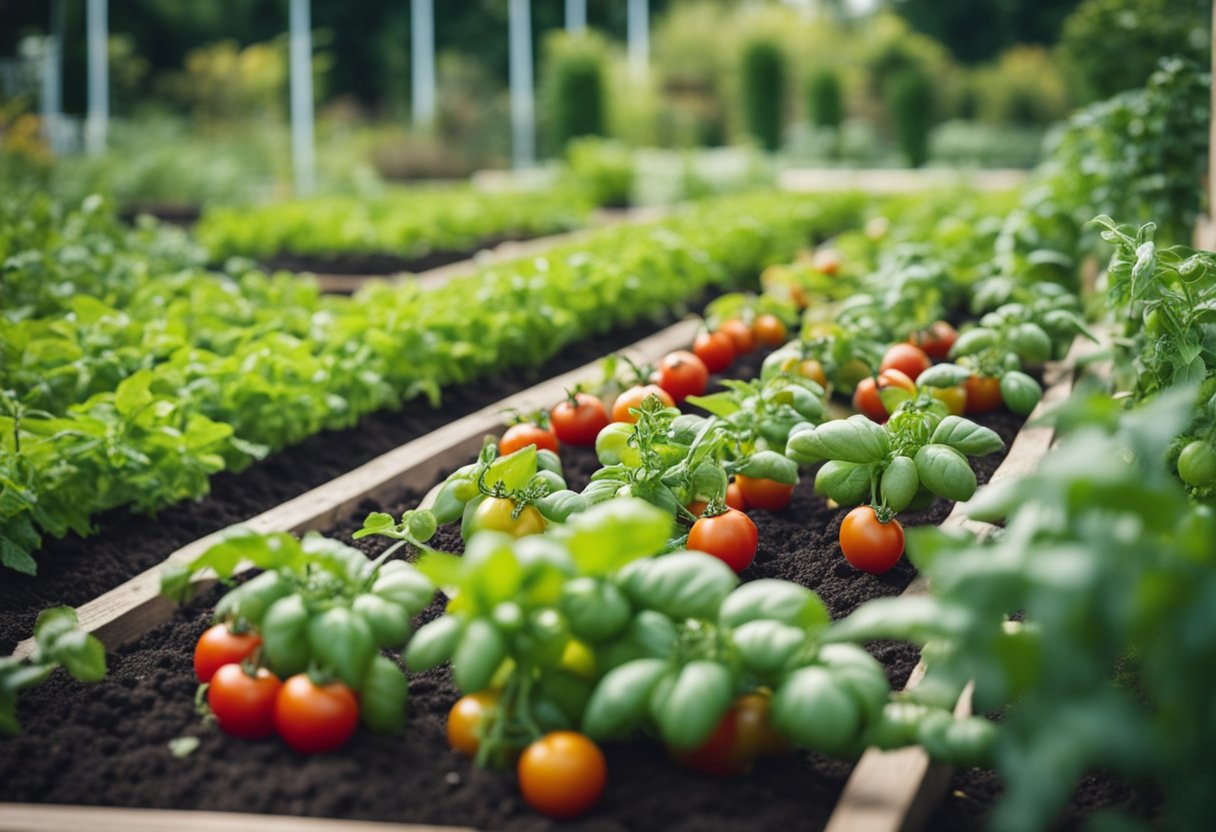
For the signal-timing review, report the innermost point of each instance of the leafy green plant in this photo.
(763, 78)
(825, 99)
(910, 102)
(58, 643)
(574, 88)
(1109, 568)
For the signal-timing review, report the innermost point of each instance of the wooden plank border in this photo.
(895, 791)
(131, 609)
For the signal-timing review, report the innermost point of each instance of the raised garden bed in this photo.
(147, 702)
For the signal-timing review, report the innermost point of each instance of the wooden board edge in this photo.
(129, 610)
(28, 817)
(895, 791)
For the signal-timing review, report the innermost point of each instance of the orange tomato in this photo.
(741, 334)
(983, 393)
(769, 495)
(633, 397)
(466, 719)
(524, 434)
(716, 349)
(735, 498)
(562, 774)
(866, 398)
(909, 360)
(769, 330)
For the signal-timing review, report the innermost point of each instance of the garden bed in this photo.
(124, 724)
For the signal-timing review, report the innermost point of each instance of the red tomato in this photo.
(218, 646)
(731, 537)
(314, 719)
(735, 498)
(769, 495)
(744, 734)
(769, 330)
(243, 705)
(716, 349)
(682, 374)
(527, 433)
(741, 334)
(983, 393)
(562, 774)
(866, 398)
(909, 360)
(633, 397)
(936, 341)
(466, 719)
(697, 507)
(868, 544)
(579, 419)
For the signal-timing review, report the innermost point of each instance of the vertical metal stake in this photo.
(98, 117)
(523, 116)
(303, 156)
(422, 62)
(576, 16)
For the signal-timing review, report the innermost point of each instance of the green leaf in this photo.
(514, 470)
(133, 394)
(82, 654)
(719, 404)
(16, 557)
(382, 697)
(611, 534)
(966, 436)
(376, 523)
(680, 585)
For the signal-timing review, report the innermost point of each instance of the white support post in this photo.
(422, 62)
(638, 37)
(303, 155)
(576, 16)
(52, 81)
(523, 116)
(98, 117)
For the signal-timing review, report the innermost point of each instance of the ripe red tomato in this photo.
(466, 719)
(909, 360)
(243, 705)
(731, 537)
(735, 498)
(936, 341)
(682, 374)
(741, 334)
(769, 495)
(983, 393)
(523, 434)
(633, 397)
(579, 419)
(562, 774)
(769, 330)
(314, 719)
(716, 349)
(218, 646)
(866, 398)
(744, 734)
(868, 544)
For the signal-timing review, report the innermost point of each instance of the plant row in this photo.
(409, 223)
(251, 364)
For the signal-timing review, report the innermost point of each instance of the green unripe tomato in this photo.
(1197, 464)
(612, 446)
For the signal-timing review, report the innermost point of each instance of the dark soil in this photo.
(108, 743)
(377, 262)
(74, 570)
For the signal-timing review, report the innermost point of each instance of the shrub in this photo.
(763, 77)
(574, 89)
(825, 98)
(910, 102)
(602, 169)
(1113, 45)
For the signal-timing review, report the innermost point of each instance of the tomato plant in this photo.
(682, 374)
(315, 719)
(522, 434)
(869, 543)
(243, 703)
(742, 335)
(632, 399)
(220, 645)
(730, 536)
(562, 774)
(770, 331)
(765, 494)
(906, 358)
(715, 349)
(577, 420)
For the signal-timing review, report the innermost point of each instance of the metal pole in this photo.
(576, 16)
(302, 153)
(523, 119)
(638, 36)
(98, 117)
(52, 80)
(422, 58)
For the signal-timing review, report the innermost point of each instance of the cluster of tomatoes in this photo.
(253, 703)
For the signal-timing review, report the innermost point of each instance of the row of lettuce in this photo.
(133, 381)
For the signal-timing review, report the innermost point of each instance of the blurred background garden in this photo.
(645, 103)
